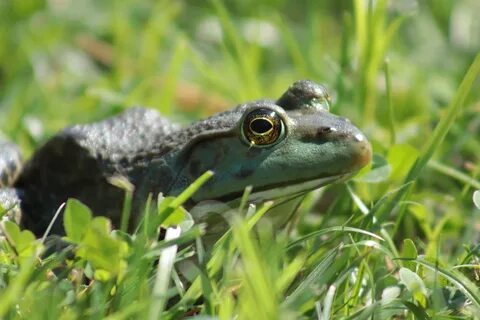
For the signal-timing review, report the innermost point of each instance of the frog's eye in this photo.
(262, 127)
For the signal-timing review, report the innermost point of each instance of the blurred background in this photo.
(392, 67)
(65, 62)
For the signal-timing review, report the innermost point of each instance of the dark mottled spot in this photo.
(253, 152)
(219, 154)
(4, 178)
(244, 172)
(124, 162)
(284, 166)
(194, 168)
(12, 166)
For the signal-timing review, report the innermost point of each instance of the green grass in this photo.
(401, 240)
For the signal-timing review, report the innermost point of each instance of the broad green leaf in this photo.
(380, 171)
(401, 158)
(22, 240)
(413, 282)
(100, 247)
(390, 293)
(102, 226)
(76, 220)
(102, 275)
(12, 230)
(187, 223)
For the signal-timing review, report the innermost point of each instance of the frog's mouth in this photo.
(297, 188)
(280, 190)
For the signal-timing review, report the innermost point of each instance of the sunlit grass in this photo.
(401, 240)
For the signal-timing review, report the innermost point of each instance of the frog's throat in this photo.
(290, 189)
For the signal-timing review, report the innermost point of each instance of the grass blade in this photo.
(455, 174)
(330, 230)
(188, 193)
(162, 280)
(391, 112)
(437, 137)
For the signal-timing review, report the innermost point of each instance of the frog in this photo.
(283, 147)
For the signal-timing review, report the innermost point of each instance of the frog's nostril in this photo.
(325, 130)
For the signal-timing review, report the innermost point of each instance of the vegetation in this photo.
(399, 241)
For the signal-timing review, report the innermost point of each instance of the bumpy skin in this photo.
(77, 163)
(157, 156)
(10, 163)
(10, 167)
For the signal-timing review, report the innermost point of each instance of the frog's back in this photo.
(79, 160)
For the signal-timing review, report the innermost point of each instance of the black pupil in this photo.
(261, 126)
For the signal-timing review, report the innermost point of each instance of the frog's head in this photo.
(282, 147)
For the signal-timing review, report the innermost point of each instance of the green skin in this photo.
(313, 148)
(304, 155)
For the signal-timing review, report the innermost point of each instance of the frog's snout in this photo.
(362, 154)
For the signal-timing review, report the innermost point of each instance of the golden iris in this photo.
(262, 127)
